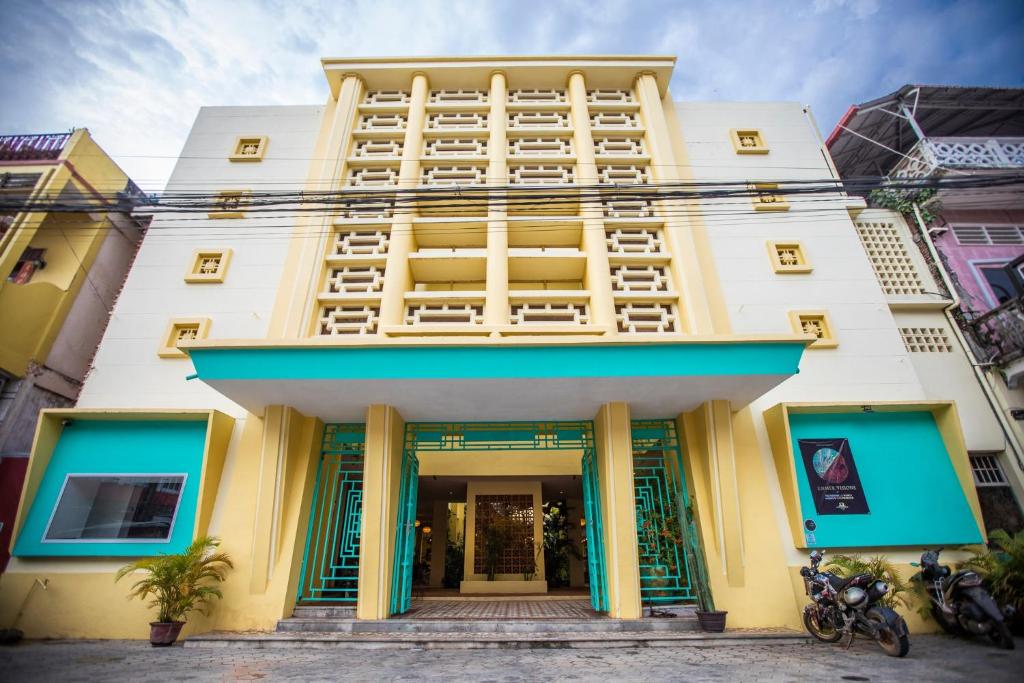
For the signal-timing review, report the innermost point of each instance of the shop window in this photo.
(25, 267)
(182, 330)
(250, 148)
(765, 197)
(209, 266)
(748, 141)
(788, 257)
(113, 507)
(815, 323)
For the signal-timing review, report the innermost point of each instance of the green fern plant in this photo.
(180, 583)
(879, 566)
(1002, 566)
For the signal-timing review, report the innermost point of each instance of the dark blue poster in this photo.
(832, 474)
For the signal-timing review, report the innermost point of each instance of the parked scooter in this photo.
(848, 606)
(960, 603)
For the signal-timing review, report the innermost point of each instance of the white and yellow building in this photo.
(512, 297)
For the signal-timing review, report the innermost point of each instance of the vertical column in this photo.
(397, 278)
(614, 440)
(578, 535)
(439, 542)
(598, 278)
(272, 453)
(725, 489)
(496, 304)
(382, 473)
(686, 266)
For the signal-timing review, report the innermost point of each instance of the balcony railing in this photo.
(932, 154)
(1000, 332)
(32, 147)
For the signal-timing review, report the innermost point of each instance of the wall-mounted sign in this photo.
(833, 477)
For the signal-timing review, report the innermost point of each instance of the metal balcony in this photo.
(43, 147)
(1000, 333)
(936, 154)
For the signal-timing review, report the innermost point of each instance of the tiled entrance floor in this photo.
(501, 609)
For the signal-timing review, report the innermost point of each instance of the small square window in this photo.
(249, 148)
(182, 330)
(230, 204)
(765, 197)
(788, 257)
(208, 265)
(748, 141)
(814, 323)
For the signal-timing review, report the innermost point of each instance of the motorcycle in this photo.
(844, 607)
(960, 603)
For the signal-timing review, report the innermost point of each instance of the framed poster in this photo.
(832, 475)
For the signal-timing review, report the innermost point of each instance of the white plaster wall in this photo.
(127, 372)
(870, 363)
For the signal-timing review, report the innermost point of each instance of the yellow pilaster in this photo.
(686, 266)
(397, 276)
(382, 473)
(597, 279)
(614, 441)
(272, 452)
(496, 304)
(725, 493)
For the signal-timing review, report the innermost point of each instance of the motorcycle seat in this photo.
(840, 582)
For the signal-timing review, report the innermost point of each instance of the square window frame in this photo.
(777, 266)
(756, 188)
(829, 341)
(243, 196)
(168, 346)
(760, 148)
(261, 149)
(193, 276)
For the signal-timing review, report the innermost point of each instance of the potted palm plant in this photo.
(709, 618)
(178, 583)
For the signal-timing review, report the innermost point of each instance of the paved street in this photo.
(932, 658)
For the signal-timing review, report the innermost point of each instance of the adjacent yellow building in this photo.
(506, 285)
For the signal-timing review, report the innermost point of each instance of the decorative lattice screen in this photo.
(511, 517)
(890, 258)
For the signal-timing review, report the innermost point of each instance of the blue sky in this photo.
(135, 72)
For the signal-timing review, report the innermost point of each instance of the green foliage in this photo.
(662, 531)
(180, 583)
(1003, 568)
(903, 201)
(899, 594)
(495, 541)
(696, 560)
(454, 564)
(558, 546)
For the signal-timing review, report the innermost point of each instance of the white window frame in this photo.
(986, 289)
(154, 475)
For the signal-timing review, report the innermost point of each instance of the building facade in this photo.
(62, 270)
(965, 248)
(508, 284)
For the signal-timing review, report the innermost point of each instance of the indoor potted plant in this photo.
(710, 619)
(179, 583)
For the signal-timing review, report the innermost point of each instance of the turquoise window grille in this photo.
(330, 562)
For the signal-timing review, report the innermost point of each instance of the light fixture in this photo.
(425, 530)
(583, 521)
(417, 523)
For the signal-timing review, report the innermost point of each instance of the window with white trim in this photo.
(990, 235)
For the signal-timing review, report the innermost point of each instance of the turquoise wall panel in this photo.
(478, 362)
(913, 493)
(118, 447)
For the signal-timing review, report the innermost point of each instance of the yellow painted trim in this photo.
(169, 347)
(828, 340)
(224, 196)
(244, 140)
(760, 146)
(804, 266)
(194, 276)
(778, 202)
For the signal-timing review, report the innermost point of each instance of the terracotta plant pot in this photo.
(163, 634)
(712, 622)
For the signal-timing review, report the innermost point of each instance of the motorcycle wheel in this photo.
(826, 634)
(891, 644)
(950, 627)
(1001, 636)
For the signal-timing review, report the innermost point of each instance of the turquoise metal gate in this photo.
(330, 562)
(495, 436)
(660, 486)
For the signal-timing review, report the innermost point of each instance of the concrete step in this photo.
(504, 641)
(324, 612)
(686, 623)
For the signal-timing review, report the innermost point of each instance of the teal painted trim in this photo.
(118, 447)
(492, 362)
(913, 493)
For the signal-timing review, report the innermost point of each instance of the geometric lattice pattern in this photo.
(619, 146)
(541, 175)
(609, 119)
(456, 120)
(540, 146)
(635, 316)
(349, 319)
(627, 208)
(386, 97)
(631, 278)
(538, 119)
(547, 96)
(453, 175)
(549, 312)
(458, 97)
(456, 147)
(622, 174)
(383, 122)
(511, 518)
(330, 565)
(640, 240)
(610, 97)
(356, 242)
(889, 257)
(351, 279)
(429, 313)
(373, 176)
(658, 488)
(378, 148)
(926, 340)
(986, 469)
